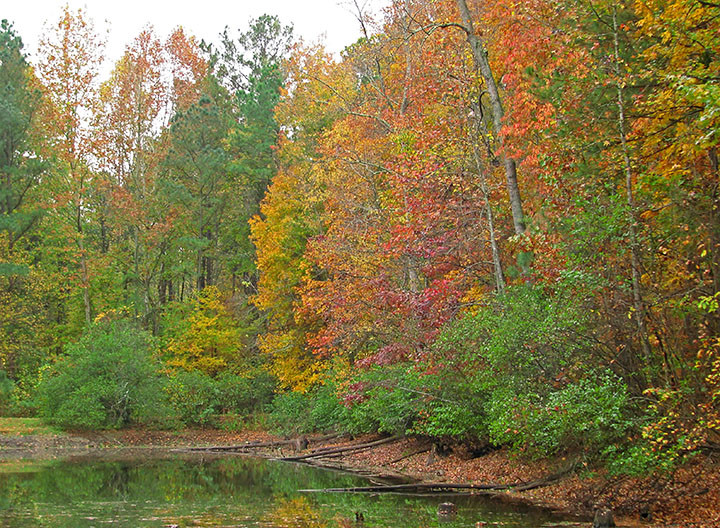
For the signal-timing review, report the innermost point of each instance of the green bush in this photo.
(587, 415)
(389, 402)
(195, 396)
(6, 390)
(327, 411)
(245, 394)
(290, 413)
(521, 372)
(200, 399)
(450, 420)
(641, 458)
(108, 379)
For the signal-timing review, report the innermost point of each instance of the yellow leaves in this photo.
(295, 513)
(292, 363)
(25, 324)
(210, 339)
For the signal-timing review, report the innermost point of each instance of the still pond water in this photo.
(221, 492)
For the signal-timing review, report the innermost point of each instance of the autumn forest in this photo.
(492, 222)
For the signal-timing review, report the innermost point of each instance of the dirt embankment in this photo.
(689, 498)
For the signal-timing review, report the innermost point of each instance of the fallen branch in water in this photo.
(548, 479)
(256, 445)
(339, 450)
(444, 486)
(431, 486)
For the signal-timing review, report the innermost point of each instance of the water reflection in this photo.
(219, 492)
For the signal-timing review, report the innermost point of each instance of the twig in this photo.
(408, 455)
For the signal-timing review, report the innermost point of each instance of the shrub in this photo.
(290, 413)
(321, 409)
(108, 379)
(200, 399)
(447, 419)
(387, 400)
(586, 415)
(247, 393)
(195, 396)
(327, 411)
(6, 389)
(520, 371)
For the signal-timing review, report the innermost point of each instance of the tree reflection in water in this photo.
(232, 491)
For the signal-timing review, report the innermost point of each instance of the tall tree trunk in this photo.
(85, 278)
(136, 266)
(638, 304)
(84, 274)
(481, 61)
(714, 240)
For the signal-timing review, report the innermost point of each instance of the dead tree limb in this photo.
(412, 453)
(337, 450)
(431, 486)
(256, 445)
(445, 486)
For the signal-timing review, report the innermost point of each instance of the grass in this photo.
(25, 426)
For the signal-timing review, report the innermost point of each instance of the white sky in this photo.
(312, 19)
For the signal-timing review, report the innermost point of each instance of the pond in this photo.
(231, 491)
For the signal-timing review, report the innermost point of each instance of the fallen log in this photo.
(545, 481)
(338, 450)
(256, 445)
(239, 447)
(444, 486)
(428, 486)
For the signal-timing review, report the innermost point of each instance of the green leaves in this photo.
(108, 379)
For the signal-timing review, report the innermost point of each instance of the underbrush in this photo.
(520, 372)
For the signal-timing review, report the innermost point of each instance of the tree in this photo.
(70, 57)
(250, 68)
(20, 167)
(197, 165)
(290, 215)
(135, 102)
(480, 56)
(208, 337)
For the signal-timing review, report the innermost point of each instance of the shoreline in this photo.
(690, 499)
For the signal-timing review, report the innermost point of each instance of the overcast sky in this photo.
(312, 19)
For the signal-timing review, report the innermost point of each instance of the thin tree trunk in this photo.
(481, 60)
(497, 263)
(136, 265)
(638, 303)
(714, 240)
(84, 276)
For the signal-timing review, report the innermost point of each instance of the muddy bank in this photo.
(103, 443)
(688, 498)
